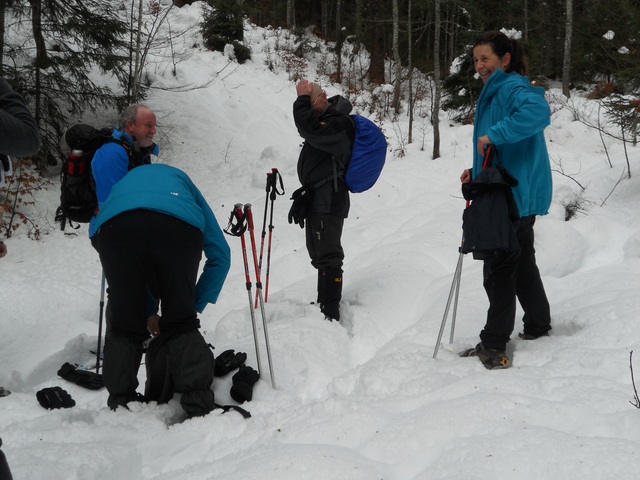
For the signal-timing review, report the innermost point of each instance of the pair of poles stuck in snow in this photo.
(241, 220)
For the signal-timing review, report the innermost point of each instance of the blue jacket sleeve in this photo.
(530, 114)
(109, 165)
(218, 259)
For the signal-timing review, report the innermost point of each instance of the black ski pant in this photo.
(323, 236)
(510, 276)
(5, 471)
(147, 257)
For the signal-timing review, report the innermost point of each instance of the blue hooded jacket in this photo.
(109, 164)
(168, 190)
(514, 114)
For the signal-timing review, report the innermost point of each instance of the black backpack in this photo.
(78, 201)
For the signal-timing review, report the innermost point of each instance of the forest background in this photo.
(81, 60)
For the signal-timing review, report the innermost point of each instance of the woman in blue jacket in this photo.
(151, 232)
(511, 114)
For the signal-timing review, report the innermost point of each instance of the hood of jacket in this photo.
(338, 105)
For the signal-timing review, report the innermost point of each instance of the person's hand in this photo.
(466, 176)
(303, 87)
(483, 141)
(3, 249)
(153, 325)
(301, 206)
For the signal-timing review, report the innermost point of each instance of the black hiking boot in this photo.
(115, 401)
(491, 358)
(331, 312)
(527, 336)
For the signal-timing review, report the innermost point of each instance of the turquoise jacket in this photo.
(514, 114)
(168, 190)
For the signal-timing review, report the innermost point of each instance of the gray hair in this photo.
(129, 114)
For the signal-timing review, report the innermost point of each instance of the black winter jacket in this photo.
(18, 130)
(487, 223)
(325, 137)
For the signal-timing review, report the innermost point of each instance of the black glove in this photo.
(227, 361)
(242, 384)
(302, 200)
(54, 397)
(84, 378)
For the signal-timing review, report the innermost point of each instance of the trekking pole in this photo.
(273, 196)
(455, 287)
(264, 226)
(249, 217)
(455, 284)
(455, 300)
(100, 322)
(237, 230)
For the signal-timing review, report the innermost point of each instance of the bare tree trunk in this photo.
(137, 68)
(324, 18)
(2, 10)
(376, 66)
(436, 79)
(359, 20)
(41, 55)
(410, 69)
(451, 34)
(291, 20)
(339, 41)
(566, 64)
(526, 21)
(395, 103)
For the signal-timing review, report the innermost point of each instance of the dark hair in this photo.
(501, 45)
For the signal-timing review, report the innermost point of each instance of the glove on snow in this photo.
(227, 361)
(242, 384)
(54, 397)
(302, 200)
(84, 378)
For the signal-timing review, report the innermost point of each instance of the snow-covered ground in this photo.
(364, 399)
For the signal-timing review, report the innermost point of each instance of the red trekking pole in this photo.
(237, 229)
(249, 217)
(272, 193)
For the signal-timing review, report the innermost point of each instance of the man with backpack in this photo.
(131, 147)
(323, 200)
(150, 234)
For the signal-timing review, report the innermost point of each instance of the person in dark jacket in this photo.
(511, 115)
(328, 134)
(18, 137)
(18, 129)
(150, 234)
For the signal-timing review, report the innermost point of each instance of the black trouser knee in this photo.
(192, 366)
(122, 357)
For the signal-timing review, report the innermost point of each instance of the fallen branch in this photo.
(636, 399)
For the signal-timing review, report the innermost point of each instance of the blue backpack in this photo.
(367, 157)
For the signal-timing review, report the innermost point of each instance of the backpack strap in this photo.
(240, 410)
(337, 173)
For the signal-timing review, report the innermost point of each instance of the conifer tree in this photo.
(71, 39)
